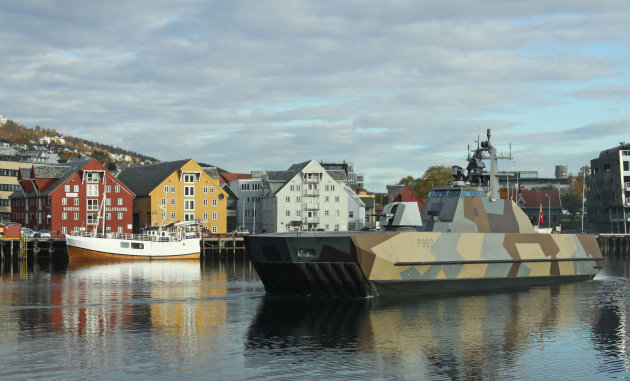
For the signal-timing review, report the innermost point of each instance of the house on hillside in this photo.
(71, 197)
(176, 191)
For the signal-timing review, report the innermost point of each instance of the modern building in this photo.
(176, 191)
(248, 190)
(608, 190)
(351, 177)
(76, 196)
(304, 197)
(531, 180)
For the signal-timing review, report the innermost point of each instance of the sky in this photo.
(392, 86)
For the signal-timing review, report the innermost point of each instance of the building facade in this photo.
(248, 190)
(305, 197)
(356, 210)
(608, 190)
(176, 191)
(76, 196)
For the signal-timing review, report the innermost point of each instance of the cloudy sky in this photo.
(392, 86)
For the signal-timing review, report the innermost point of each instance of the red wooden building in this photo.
(72, 197)
(403, 193)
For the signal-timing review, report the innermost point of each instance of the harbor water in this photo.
(212, 320)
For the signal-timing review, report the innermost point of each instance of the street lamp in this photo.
(549, 210)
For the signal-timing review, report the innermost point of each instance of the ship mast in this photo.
(476, 165)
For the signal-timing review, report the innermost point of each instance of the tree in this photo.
(572, 203)
(434, 176)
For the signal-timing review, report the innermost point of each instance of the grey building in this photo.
(608, 190)
(531, 180)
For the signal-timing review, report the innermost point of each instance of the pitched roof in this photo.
(61, 172)
(337, 174)
(229, 177)
(533, 198)
(143, 179)
(213, 172)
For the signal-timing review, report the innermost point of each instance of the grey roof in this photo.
(213, 172)
(145, 178)
(60, 172)
(280, 175)
(337, 174)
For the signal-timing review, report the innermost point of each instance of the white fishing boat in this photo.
(179, 240)
(175, 241)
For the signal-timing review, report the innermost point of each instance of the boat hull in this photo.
(355, 264)
(91, 248)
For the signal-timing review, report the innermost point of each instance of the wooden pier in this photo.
(614, 245)
(13, 249)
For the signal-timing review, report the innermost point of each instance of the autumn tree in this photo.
(434, 176)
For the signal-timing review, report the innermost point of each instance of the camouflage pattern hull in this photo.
(363, 264)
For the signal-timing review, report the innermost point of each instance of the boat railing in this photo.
(173, 237)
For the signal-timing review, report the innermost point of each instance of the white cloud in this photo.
(261, 85)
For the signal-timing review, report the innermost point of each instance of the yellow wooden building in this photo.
(176, 191)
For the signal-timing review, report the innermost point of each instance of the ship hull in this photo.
(94, 248)
(356, 264)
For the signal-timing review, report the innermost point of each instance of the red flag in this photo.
(541, 215)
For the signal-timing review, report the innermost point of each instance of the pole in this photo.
(583, 186)
(548, 211)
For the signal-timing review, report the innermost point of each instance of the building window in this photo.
(211, 189)
(173, 215)
(108, 216)
(117, 188)
(120, 201)
(336, 198)
(75, 216)
(64, 201)
(245, 187)
(298, 213)
(64, 215)
(298, 199)
(326, 213)
(288, 213)
(292, 188)
(336, 227)
(297, 188)
(120, 215)
(214, 215)
(189, 190)
(92, 190)
(75, 201)
(189, 205)
(108, 201)
(108, 189)
(288, 199)
(332, 188)
(92, 218)
(64, 229)
(163, 216)
(214, 202)
(173, 202)
(205, 202)
(66, 188)
(120, 229)
(165, 188)
(205, 216)
(351, 214)
(163, 202)
(173, 188)
(326, 199)
(214, 229)
(76, 189)
(92, 204)
(189, 216)
(337, 213)
(205, 189)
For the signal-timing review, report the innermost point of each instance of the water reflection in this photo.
(487, 336)
(212, 318)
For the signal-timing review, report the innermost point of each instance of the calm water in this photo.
(165, 320)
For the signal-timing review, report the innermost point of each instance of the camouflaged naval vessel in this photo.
(466, 242)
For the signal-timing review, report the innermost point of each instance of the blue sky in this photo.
(394, 87)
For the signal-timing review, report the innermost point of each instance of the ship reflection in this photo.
(456, 337)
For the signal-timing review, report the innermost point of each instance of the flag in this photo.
(540, 215)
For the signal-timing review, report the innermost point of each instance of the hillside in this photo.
(65, 145)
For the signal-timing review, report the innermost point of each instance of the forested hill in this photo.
(17, 134)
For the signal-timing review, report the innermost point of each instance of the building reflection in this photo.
(180, 305)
